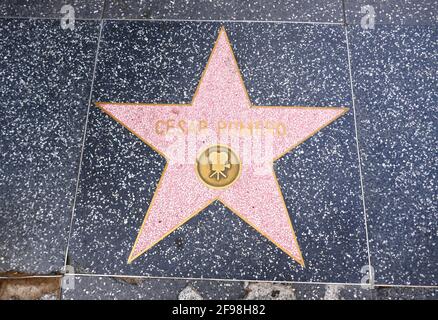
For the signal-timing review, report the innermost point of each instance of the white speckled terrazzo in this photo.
(359, 192)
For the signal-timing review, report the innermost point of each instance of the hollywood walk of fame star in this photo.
(220, 102)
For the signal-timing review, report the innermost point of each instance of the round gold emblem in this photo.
(218, 166)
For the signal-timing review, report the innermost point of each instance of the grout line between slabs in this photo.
(178, 20)
(344, 12)
(227, 21)
(252, 280)
(340, 23)
(353, 99)
(83, 145)
(104, 8)
(256, 280)
(85, 275)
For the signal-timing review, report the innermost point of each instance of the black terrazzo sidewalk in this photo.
(75, 185)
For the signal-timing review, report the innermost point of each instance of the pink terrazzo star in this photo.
(220, 101)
